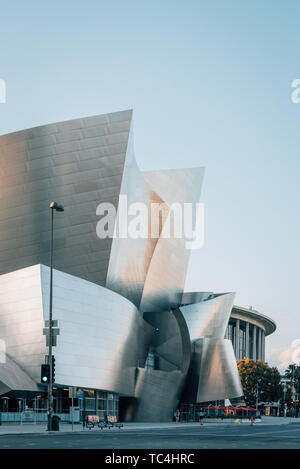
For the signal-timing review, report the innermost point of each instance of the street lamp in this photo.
(284, 403)
(293, 381)
(57, 208)
(293, 390)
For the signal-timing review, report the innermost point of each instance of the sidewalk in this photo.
(40, 428)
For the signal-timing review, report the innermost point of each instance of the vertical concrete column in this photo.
(96, 401)
(247, 340)
(254, 343)
(263, 347)
(237, 339)
(259, 344)
(233, 336)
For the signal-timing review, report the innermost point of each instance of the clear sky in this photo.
(210, 85)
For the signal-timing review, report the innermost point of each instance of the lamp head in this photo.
(56, 206)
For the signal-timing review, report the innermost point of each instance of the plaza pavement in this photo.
(40, 428)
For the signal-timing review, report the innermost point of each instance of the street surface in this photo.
(270, 436)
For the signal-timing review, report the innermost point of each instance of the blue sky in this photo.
(210, 85)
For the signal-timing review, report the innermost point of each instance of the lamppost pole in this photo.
(58, 208)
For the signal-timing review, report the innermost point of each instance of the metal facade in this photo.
(117, 301)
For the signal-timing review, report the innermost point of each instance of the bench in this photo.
(111, 422)
(91, 420)
(103, 424)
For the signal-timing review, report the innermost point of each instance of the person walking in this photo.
(177, 415)
(201, 416)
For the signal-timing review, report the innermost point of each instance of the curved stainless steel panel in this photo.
(136, 265)
(210, 317)
(81, 163)
(21, 320)
(165, 279)
(158, 394)
(176, 185)
(171, 340)
(12, 377)
(158, 391)
(195, 297)
(78, 163)
(130, 257)
(102, 335)
(104, 339)
(213, 374)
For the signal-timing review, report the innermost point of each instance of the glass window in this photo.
(150, 361)
(110, 405)
(90, 403)
(101, 404)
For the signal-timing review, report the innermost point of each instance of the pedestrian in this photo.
(177, 415)
(201, 415)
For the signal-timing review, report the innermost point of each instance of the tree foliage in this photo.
(293, 373)
(258, 376)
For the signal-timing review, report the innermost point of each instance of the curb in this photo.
(87, 431)
(169, 427)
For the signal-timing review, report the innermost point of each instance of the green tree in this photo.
(258, 377)
(293, 373)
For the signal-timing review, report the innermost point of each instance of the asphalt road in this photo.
(238, 437)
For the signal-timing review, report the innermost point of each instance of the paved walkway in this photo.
(40, 428)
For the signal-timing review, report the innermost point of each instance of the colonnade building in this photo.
(247, 330)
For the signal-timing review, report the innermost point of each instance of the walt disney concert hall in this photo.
(129, 338)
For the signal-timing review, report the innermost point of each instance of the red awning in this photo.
(230, 407)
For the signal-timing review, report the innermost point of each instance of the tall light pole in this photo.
(57, 208)
(284, 403)
(293, 388)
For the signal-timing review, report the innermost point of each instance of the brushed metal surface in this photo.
(102, 337)
(213, 374)
(195, 297)
(136, 265)
(158, 391)
(157, 394)
(209, 318)
(79, 163)
(115, 300)
(14, 378)
(164, 284)
(171, 341)
(130, 257)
